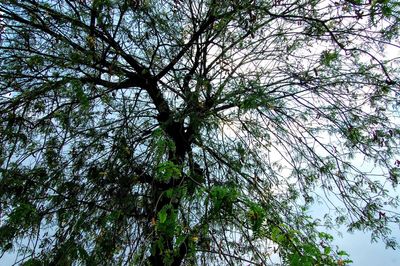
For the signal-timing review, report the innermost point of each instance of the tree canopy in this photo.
(149, 132)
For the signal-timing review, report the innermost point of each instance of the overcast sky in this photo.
(358, 245)
(365, 253)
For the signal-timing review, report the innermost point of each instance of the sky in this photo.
(358, 244)
(365, 253)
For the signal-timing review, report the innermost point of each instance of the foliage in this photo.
(147, 132)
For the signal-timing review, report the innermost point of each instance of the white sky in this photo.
(358, 245)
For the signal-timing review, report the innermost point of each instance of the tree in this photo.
(194, 132)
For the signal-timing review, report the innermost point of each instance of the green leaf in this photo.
(82, 98)
(327, 250)
(167, 170)
(162, 215)
(342, 253)
(394, 175)
(328, 57)
(33, 262)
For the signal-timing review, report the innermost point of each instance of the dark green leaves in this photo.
(329, 57)
(194, 132)
(223, 198)
(166, 171)
(394, 175)
(24, 214)
(256, 215)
